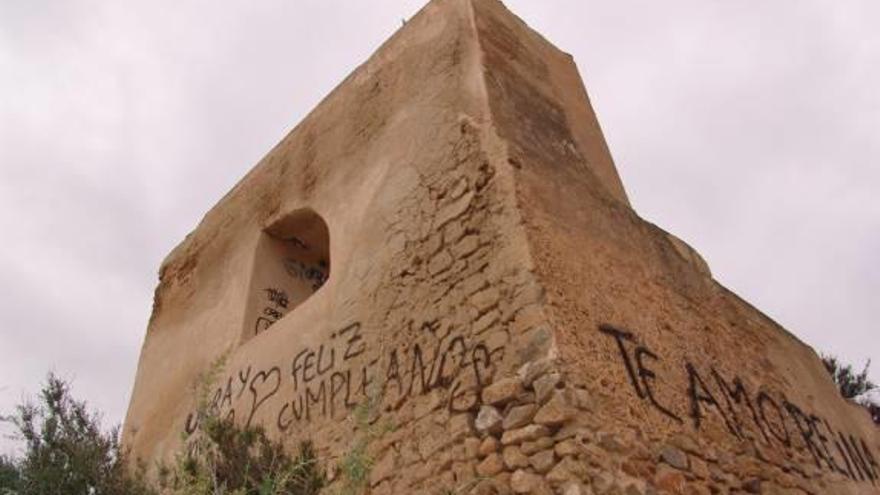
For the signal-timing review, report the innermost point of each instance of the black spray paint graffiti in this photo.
(260, 385)
(315, 275)
(335, 376)
(329, 366)
(759, 417)
(446, 362)
(274, 311)
(325, 380)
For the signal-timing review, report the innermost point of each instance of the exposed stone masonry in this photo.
(440, 264)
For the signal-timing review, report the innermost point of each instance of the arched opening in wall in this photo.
(291, 264)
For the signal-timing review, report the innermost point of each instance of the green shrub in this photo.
(852, 385)
(8, 476)
(65, 450)
(223, 458)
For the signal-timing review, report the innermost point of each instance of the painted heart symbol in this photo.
(262, 389)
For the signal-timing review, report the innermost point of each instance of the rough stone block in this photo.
(491, 465)
(556, 411)
(519, 416)
(514, 458)
(502, 391)
(545, 386)
(525, 482)
(488, 446)
(675, 457)
(488, 421)
(543, 461)
(538, 445)
(524, 434)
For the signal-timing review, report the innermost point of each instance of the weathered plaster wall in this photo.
(429, 294)
(487, 293)
(692, 389)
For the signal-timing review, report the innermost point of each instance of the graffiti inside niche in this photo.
(331, 378)
(315, 275)
(775, 423)
(278, 302)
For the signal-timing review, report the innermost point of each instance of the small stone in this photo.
(675, 457)
(503, 480)
(502, 391)
(634, 487)
(524, 398)
(496, 339)
(524, 434)
(543, 461)
(523, 482)
(531, 371)
(545, 386)
(488, 486)
(519, 416)
(669, 479)
(568, 447)
(471, 448)
(612, 443)
(526, 319)
(574, 488)
(752, 486)
(463, 471)
(383, 488)
(695, 489)
(686, 443)
(466, 246)
(566, 470)
(491, 465)
(458, 453)
(538, 445)
(699, 468)
(440, 263)
(485, 322)
(514, 458)
(639, 469)
(442, 463)
(596, 456)
(383, 469)
(488, 421)
(633, 490)
(583, 400)
(603, 482)
(488, 446)
(485, 300)
(556, 411)
(460, 426)
(570, 431)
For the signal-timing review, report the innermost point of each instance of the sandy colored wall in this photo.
(443, 249)
(693, 390)
(429, 294)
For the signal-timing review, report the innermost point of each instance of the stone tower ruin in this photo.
(445, 244)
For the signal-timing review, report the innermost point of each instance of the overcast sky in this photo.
(749, 129)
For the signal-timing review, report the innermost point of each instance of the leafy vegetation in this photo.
(853, 385)
(850, 383)
(66, 452)
(225, 459)
(356, 465)
(8, 476)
